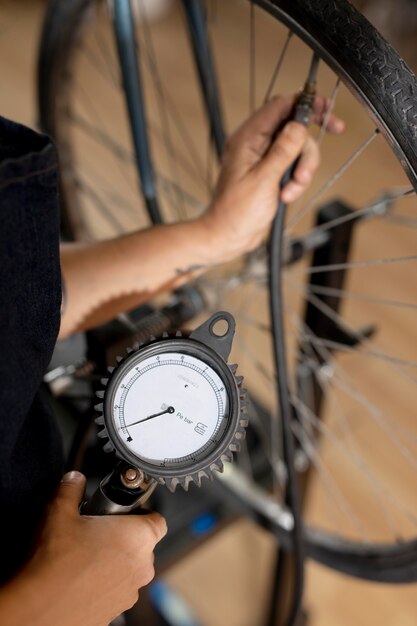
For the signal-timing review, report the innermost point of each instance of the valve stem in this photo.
(305, 101)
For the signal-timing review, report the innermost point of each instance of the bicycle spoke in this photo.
(343, 266)
(103, 62)
(352, 295)
(111, 194)
(385, 422)
(104, 133)
(353, 455)
(277, 68)
(101, 68)
(99, 135)
(195, 204)
(380, 207)
(249, 320)
(118, 150)
(331, 182)
(340, 322)
(333, 491)
(324, 429)
(349, 447)
(329, 111)
(403, 220)
(379, 492)
(101, 206)
(121, 153)
(396, 364)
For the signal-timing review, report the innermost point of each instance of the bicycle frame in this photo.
(128, 51)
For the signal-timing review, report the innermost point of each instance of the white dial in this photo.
(170, 409)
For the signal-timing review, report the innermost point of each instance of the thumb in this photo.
(284, 150)
(71, 491)
(156, 524)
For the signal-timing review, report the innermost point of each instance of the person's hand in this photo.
(254, 161)
(90, 568)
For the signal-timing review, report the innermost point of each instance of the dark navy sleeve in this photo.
(30, 299)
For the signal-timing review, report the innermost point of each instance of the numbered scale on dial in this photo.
(174, 408)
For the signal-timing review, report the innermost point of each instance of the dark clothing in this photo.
(30, 297)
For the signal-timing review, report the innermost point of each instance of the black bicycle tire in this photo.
(384, 84)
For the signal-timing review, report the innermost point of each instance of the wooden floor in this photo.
(226, 581)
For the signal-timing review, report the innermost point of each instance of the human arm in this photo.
(102, 279)
(84, 570)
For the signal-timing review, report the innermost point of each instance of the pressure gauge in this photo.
(174, 408)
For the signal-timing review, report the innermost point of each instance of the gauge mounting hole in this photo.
(219, 327)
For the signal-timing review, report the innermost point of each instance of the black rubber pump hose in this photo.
(301, 114)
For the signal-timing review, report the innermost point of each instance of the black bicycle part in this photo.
(128, 50)
(335, 250)
(288, 615)
(196, 23)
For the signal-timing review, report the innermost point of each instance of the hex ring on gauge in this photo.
(174, 408)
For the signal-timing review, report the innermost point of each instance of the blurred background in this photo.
(226, 579)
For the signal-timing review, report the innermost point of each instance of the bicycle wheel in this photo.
(350, 242)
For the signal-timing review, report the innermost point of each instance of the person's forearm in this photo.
(105, 278)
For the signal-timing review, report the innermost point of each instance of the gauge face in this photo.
(168, 409)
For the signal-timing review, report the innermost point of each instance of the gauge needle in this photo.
(170, 409)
